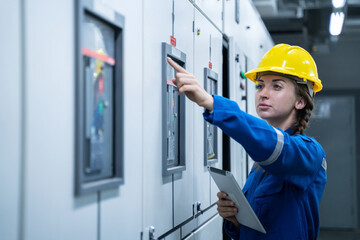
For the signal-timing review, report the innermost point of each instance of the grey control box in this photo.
(99, 99)
(173, 114)
(210, 131)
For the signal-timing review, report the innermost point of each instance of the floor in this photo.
(326, 234)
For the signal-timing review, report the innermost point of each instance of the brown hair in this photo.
(303, 115)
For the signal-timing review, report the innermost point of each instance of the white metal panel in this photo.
(251, 88)
(173, 236)
(190, 237)
(212, 230)
(158, 190)
(188, 228)
(251, 33)
(229, 23)
(10, 120)
(201, 219)
(252, 39)
(238, 154)
(201, 60)
(124, 203)
(216, 59)
(202, 180)
(212, 9)
(51, 211)
(240, 164)
(183, 183)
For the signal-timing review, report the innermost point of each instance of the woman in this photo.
(287, 181)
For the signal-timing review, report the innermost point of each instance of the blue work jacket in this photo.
(285, 191)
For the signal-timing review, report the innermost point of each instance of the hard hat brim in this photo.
(252, 74)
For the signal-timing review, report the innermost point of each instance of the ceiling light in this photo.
(336, 23)
(338, 3)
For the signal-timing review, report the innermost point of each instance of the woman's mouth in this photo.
(263, 106)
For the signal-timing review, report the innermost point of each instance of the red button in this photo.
(101, 84)
(173, 41)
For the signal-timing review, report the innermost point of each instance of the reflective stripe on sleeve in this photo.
(277, 151)
(324, 164)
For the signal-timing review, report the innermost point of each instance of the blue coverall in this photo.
(285, 192)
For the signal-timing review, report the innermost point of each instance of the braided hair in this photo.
(303, 115)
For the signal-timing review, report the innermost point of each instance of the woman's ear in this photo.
(300, 103)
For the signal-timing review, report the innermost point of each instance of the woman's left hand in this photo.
(227, 209)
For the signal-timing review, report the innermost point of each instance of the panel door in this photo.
(237, 93)
(162, 195)
(50, 209)
(183, 183)
(117, 204)
(10, 120)
(231, 14)
(211, 230)
(212, 9)
(204, 187)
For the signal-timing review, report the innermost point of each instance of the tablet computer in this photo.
(227, 183)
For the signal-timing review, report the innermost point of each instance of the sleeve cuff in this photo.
(209, 115)
(231, 230)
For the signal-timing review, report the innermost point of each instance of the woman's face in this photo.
(276, 101)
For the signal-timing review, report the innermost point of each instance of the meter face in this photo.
(172, 120)
(98, 62)
(210, 131)
(98, 80)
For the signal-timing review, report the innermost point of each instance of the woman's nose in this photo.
(264, 93)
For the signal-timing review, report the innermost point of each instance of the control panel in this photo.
(173, 114)
(99, 102)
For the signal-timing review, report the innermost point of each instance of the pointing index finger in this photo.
(176, 66)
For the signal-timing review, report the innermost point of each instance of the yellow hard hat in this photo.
(289, 60)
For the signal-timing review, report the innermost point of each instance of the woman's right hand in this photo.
(227, 209)
(188, 84)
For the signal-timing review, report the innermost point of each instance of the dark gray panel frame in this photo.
(237, 11)
(212, 76)
(117, 22)
(179, 57)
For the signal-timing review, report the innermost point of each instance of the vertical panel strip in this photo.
(22, 187)
(99, 215)
(173, 202)
(143, 195)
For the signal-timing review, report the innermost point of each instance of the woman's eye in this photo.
(277, 87)
(259, 87)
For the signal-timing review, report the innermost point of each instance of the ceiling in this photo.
(306, 22)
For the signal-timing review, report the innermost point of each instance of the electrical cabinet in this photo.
(210, 131)
(237, 89)
(170, 192)
(173, 113)
(207, 54)
(99, 111)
